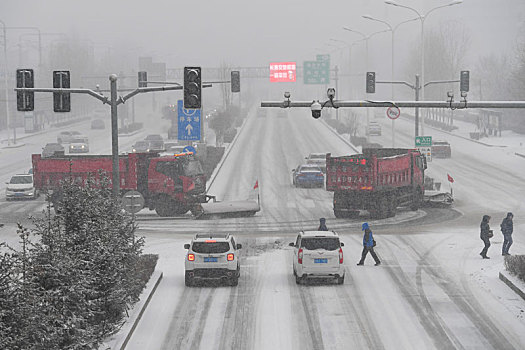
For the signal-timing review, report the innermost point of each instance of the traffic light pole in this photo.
(114, 101)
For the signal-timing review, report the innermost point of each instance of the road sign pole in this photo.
(417, 108)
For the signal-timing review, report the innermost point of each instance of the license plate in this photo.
(19, 194)
(321, 261)
(210, 259)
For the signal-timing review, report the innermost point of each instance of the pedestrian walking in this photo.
(485, 235)
(506, 228)
(368, 245)
(322, 225)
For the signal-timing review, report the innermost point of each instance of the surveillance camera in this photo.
(463, 94)
(286, 94)
(316, 109)
(330, 93)
(450, 94)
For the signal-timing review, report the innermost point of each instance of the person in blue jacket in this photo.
(322, 225)
(506, 228)
(368, 245)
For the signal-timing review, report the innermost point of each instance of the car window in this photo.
(16, 180)
(210, 247)
(192, 168)
(313, 243)
(310, 169)
(317, 156)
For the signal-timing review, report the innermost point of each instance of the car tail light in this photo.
(300, 256)
(230, 257)
(191, 257)
(320, 174)
(340, 255)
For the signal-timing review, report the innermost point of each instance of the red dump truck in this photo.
(170, 185)
(378, 180)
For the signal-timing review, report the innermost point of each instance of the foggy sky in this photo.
(254, 32)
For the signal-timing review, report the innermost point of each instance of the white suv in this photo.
(21, 186)
(212, 257)
(318, 254)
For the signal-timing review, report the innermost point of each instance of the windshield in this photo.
(17, 180)
(210, 247)
(313, 243)
(193, 168)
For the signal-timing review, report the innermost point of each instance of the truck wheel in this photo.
(298, 280)
(416, 202)
(234, 281)
(338, 214)
(340, 279)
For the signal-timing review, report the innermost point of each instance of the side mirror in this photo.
(186, 246)
(239, 246)
(292, 244)
(342, 244)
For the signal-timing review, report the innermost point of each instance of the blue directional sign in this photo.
(189, 123)
(189, 149)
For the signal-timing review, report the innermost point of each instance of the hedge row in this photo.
(515, 264)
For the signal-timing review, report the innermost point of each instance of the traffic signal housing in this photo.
(143, 79)
(192, 88)
(25, 100)
(370, 82)
(464, 80)
(61, 100)
(236, 81)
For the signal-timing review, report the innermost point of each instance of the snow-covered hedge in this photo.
(515, 264)
(75, 276)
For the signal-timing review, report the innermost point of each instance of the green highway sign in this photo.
(323, 58)
(423, 141)
(316, 72)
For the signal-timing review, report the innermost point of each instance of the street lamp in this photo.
(392, 30)
(422, 19)
(366, 38)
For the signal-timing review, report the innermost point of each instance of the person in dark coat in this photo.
(368, 245)
(506, 228)
(322, 225)
(485, 235)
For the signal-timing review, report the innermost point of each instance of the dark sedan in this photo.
(308, 175)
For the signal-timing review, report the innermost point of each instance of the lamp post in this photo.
(392, 30)
(422, 19)
(5, 82)
(366, 38)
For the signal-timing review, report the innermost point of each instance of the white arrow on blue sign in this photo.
(189, 123)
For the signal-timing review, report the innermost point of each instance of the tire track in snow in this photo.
(189, 319)
(238, 329)
(463, 300)
(427, 317)
(355, 309)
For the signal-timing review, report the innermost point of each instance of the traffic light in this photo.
(464, 79)
(143, 79)
(61, 100)
(236, 81)
(25, 100)
(192, 87)
(370, 82)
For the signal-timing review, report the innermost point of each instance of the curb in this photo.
(119, 340)
(513, 283)
(519, 154)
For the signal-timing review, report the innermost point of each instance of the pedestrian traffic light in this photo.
(236, 81)
(25, 100)
(370, 82)
(464, 79)
(143, 79)
(61, 100)
(192, 87)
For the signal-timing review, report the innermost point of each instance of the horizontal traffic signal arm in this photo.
(413, 104)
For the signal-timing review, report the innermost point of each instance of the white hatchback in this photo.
(318, 254)
(21, 186)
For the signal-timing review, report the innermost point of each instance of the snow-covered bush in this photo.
(515, 264)
(71, 285)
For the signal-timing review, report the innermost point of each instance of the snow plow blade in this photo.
(438, 199)
(226, 209)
